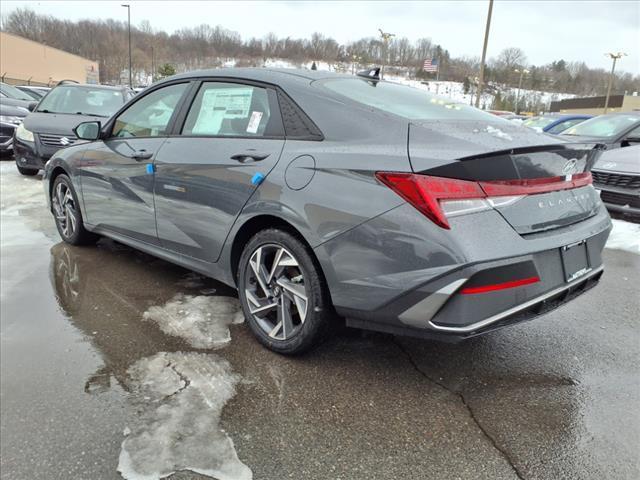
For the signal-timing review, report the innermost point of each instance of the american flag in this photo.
(430, 65)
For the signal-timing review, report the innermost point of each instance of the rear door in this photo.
(229, 138)
(117, 174)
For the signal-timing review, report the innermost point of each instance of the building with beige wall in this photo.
(595, 105)
(25, 62)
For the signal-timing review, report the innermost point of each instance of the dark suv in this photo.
(50, 126)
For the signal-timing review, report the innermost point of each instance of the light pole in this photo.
(129, 23)
(522, 73)
(615, 57)
(385, 36)
(484, 54)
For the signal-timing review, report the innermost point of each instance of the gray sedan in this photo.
(322, 196)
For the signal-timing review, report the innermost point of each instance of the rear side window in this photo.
(405, 101)
(229, 109)
(562, 126)
(149, 116)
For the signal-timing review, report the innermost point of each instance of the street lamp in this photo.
(129, 22)
(484, 54)
(614, 57)
(522, 73)
(385, 36)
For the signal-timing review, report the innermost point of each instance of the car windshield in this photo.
(12, 92)
(539, 122)
(101, 102)
(604, 126)
(408, 102)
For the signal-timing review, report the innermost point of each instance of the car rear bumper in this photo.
(413, 284)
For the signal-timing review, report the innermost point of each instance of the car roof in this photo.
(267, 75)
(95, 86)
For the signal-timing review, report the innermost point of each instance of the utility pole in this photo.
(484, 55)
(615, 57)
(385, 36)
(522, 72)
(153, 66)
(129, 23)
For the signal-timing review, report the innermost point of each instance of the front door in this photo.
(117, 178)
(231, 138)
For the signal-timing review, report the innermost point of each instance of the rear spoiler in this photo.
(542, 161)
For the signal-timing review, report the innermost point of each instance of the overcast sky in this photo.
(546, 30)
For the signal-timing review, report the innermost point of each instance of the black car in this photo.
(617, 176)
(50, 126)
(10, 95)
(614, 130)
(10, 118)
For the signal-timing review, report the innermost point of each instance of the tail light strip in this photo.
(437, 197)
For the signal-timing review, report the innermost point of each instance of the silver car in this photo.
(322, 196)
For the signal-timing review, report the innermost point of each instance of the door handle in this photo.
(246, 156)
(141, 155)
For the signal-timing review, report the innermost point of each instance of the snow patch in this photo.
(181, 397)
(201, 320)
(624, 236)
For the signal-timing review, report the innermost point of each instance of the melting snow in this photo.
(624, 236)
(182, 395)
(203, 321)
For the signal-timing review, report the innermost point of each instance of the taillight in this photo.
(426, 193)
(438, 197)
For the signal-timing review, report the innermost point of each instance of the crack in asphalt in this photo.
(491, 440)
(183, 378)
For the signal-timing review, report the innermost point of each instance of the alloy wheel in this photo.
(275, 291)
(64, 209)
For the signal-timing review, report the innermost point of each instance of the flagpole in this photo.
(438, 70)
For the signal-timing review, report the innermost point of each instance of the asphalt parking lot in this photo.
(101, 373)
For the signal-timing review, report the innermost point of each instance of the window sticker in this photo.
(254, 122)
(219, 105)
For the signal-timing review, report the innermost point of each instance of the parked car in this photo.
(617, 176)
(614, 130)
(316, 193)
(50, 126)
(10, 95)
(36, 92)
(555, 124)
(10, 118)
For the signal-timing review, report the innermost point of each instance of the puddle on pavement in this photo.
(178, 395)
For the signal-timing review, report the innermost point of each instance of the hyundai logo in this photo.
(65, 141)
(570, 167)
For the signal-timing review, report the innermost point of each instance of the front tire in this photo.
(284, 297)
(29, 172)
(66, 210)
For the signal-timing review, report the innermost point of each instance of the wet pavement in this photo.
(115, 364)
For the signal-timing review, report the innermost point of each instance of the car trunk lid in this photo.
(536, 182)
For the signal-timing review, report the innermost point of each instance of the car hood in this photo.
(12, 111)
(57, 123)
(625, 159)
(433, 143)
(16, 103)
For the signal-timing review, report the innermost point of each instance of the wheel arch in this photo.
(261, 222)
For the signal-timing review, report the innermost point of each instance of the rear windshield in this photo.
(101, 102)
(409, 102)
(604, 126)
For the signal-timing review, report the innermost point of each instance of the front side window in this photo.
(75, 99)
(405, 101)
(149, 116)
(229, 109)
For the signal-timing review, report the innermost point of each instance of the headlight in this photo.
(10, 119)
(24, 134)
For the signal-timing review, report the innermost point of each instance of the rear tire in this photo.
(66, 211)
(287, 306)
(29, 172)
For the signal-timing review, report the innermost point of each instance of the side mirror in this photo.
(32, 106)
(88, 131)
